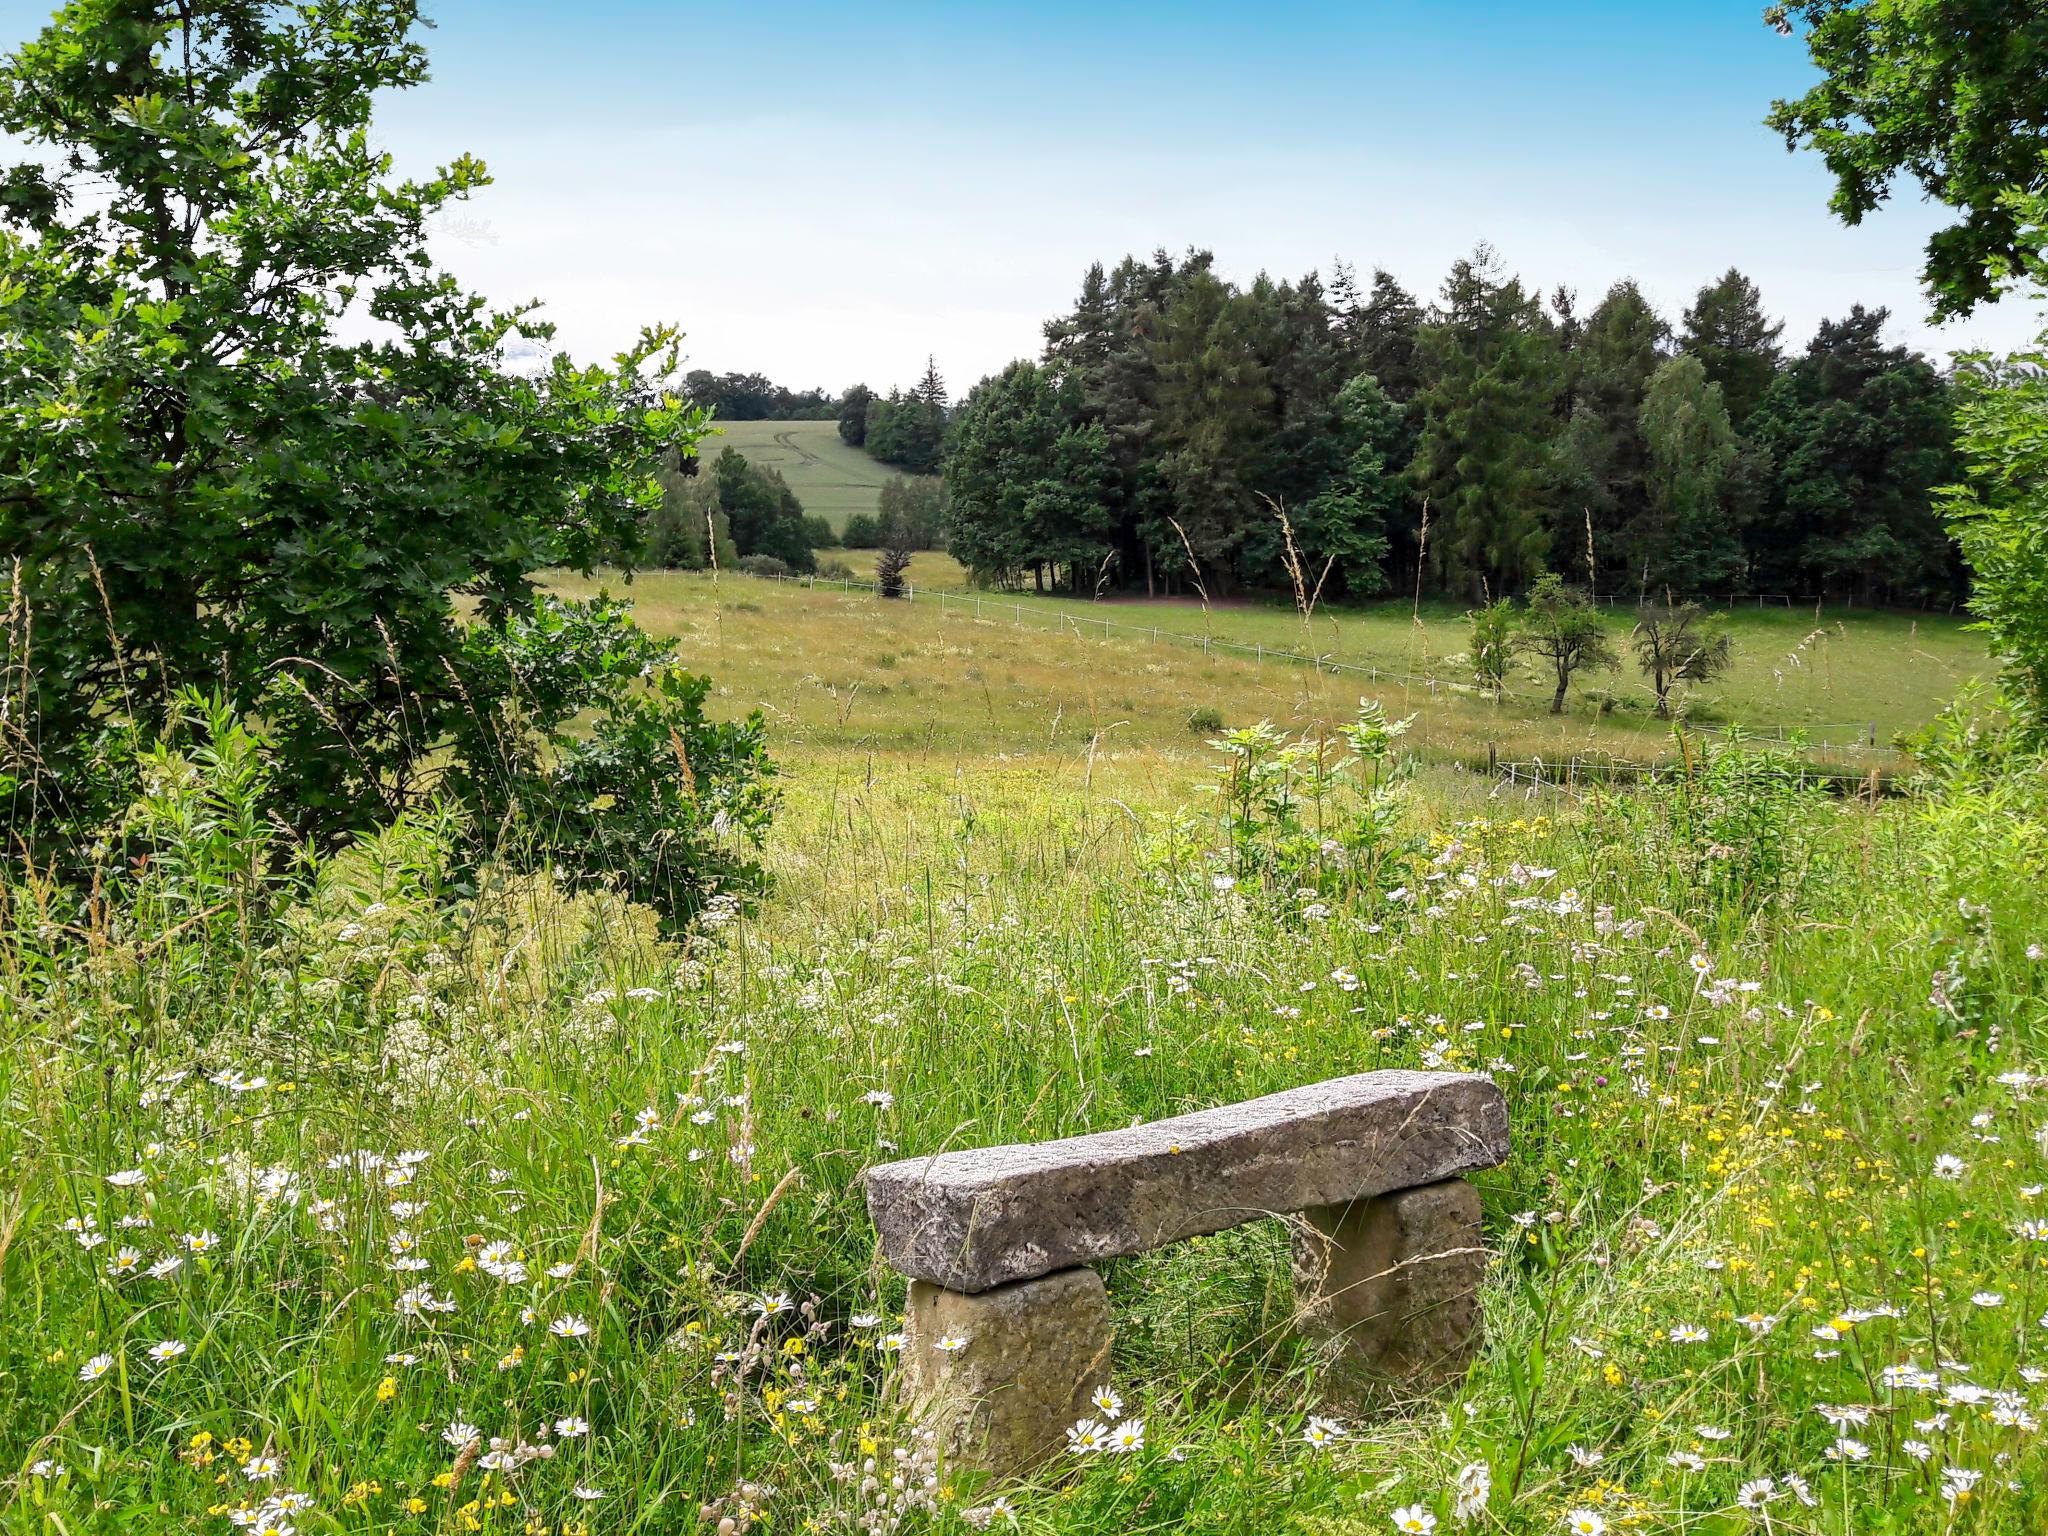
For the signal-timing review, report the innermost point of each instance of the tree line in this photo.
(904, 428)
(1180, 432)
(755, 397)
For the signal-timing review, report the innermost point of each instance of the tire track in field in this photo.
(788, 440)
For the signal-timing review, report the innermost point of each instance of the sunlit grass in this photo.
(988, 674)
(1804, 1132)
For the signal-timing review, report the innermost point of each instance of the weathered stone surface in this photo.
(1389, 1287)
(970, 1220)
(1034, 1352)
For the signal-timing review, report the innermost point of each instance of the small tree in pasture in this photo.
(1563, 628)
(1493, 645)
(1679, 643)
(893, 560)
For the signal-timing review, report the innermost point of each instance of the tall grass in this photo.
(491, 1211)
(1024, 674)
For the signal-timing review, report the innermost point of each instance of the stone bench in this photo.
(997, 1242)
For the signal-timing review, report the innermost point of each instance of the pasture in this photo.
(832, 480)
(950, 672)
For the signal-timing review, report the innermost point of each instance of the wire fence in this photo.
(1574, 775)
(1852, 737)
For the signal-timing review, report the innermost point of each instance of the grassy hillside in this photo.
(1026, 674)
(832, 480)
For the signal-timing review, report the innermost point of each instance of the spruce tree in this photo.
(1736, 342)
(1617, 350)
(1382, 335)
(1490, 370)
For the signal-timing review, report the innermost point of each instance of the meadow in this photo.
(832, 480)
(951, 671)
(378, 1197)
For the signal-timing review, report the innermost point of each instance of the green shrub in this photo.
(609, 772)
(861, 532)
(2001, 519)
(765, 565)
(1205, 720)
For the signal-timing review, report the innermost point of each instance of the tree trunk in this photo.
(1557, 700)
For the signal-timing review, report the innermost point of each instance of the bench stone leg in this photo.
(1035, 1352)
(1388, 1288)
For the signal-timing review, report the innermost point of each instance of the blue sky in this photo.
(826, 193)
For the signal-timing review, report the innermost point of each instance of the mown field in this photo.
(832, 480)
(1039, 673)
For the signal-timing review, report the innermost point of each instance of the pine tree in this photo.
(1737, 344)
(1382, 337)
(1491, 374)
(1214, 418)
(1616, 352)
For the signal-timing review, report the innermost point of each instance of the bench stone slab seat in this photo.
(973, 1220)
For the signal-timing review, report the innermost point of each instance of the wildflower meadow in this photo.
(375, 1196)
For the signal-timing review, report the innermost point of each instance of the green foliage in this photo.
(1025, 483)
(1684, 538)
(1738, 817)
(678, 533)
(204, 486)
(1736, 342)
(1535, 437)
(1342, 529)
(2000, 513)
(1563, 629)
(1494, 635)
(754, 397)
(1305, 813)
(853, 415)
(1954, 94)
(1491, 375)
(861, 532)
(916, 506)
(1857, 435)
(599, 762)
(909, 430)
(1603, 457)
(764, 514)
(1205, 720)
(1679, 643)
